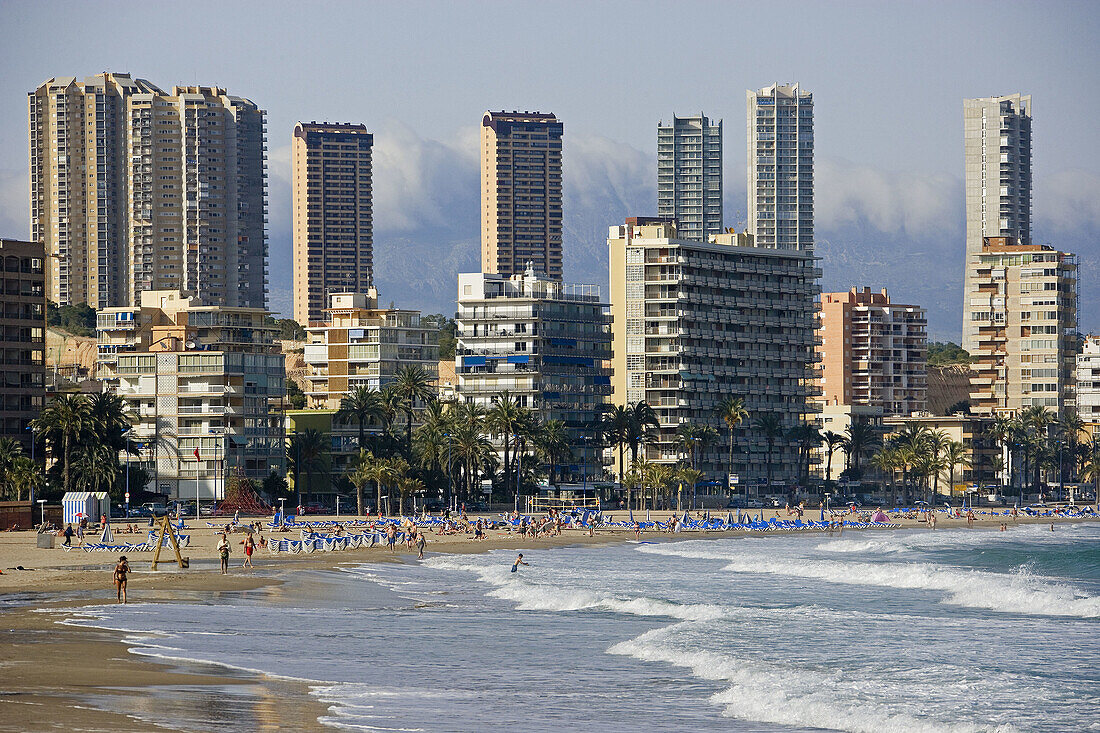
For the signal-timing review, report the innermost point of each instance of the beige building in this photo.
(205, 379)
(873, 352)
(781, 166)
(167, 319)
(1022, 300)
(362, 345)
(333, 230)
(972, 431)
(695, 322)
(997, 144)
(521, 217)
(137, 189)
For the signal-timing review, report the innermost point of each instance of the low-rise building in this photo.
(22, 338)
(982, 452)
(695, 322)
(206, 385)
(546, 343)
(837, 418)
(362, 345)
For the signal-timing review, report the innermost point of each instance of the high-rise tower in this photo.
(521, 193)
(333, 231)
(689, 175)
(781, 167)
(997, 142)
(136, 189)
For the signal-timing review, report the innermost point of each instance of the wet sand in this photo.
(76, 678)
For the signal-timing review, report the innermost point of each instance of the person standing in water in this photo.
(121, 570)
(223, 551)
(519, 561)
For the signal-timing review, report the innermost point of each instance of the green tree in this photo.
(360, 473)
(686, 476)
(861, 437)
(24, 475)
(943, 353)
(308, 452)
(295, 397)
(10, 452)
(63, 422)
(504, 419)
(833, 441)
(615, 427)
(412, 382)
(955, 455)
(733, 412)
(643, 422)
(771, 428)
(361, 405)
(552, 444)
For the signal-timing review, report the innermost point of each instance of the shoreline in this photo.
(44, 659)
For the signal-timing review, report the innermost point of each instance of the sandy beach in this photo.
(52, 671)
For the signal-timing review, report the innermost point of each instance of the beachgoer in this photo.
(420, 541)
(102, 520)
(223, 552)
(519, 561)
(120, 578)
(637, 529)
(249, 546)
(391, 537)
(237, 517)
(1052, 526)
(80, 532)
(68, 533)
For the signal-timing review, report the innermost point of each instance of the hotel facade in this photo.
(689, 175)
(695, 322)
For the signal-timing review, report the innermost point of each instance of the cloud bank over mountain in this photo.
(875, 227)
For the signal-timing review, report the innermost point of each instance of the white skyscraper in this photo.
(997, 138)
(689, 175)
(781, 167)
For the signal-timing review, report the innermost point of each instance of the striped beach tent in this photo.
(77, 505)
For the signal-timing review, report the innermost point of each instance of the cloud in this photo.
(893, 203)
(1067, 202)
(14, 203)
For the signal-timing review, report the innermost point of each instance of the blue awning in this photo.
(473, 361)
(519, 359)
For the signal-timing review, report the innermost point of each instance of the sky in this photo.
(888, 80)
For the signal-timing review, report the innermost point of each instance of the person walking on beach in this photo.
(249, 547)
(121, 570)
(391, 537)
(68, 533)
(80, 532)
(519, 561)
(420, 540)
(223, 552)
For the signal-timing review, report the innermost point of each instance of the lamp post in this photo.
(42, 510)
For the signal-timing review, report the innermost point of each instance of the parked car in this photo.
(156, 508)
(207, 510)
(140, 511)
(434, 505)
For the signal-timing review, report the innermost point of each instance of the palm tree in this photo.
(362, 405)
(659, 478)
(111, 418)
(805, 436)
(64, 420)
(24, 475)
(643, 420)
(407, 486)
(412, 382)
(936, 443)
(885, 459)
(832, 442)
(10, 452)
(955, 454)
(1001, 431)
(771, 428)
(615, 426)
(1070, 427)
(861, 436)
(359, 474)
(733, 412)
(397, 470)
(686, 476)
(307, 452)
(1037, 419)
(552, 443)
(504, 419)
(96, 468)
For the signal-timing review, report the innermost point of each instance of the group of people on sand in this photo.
(224, 549)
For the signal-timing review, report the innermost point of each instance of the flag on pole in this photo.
(197, 455)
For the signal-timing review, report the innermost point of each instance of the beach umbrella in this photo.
(107, 538)
(729, 518)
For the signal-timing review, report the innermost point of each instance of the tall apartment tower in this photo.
(521, 193)
(136, 189)
(333, 224)
(1024, 305)
(80, 185)
(997, 141)
(873, 352)
(781, 167)
(689, 175)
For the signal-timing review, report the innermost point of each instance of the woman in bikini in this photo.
(120, 578)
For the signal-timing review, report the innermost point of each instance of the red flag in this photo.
(197, 455)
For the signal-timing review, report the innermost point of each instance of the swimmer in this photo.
(519, 561)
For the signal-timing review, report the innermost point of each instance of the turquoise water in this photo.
(952, 630)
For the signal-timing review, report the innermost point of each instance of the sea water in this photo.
(947, 630)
